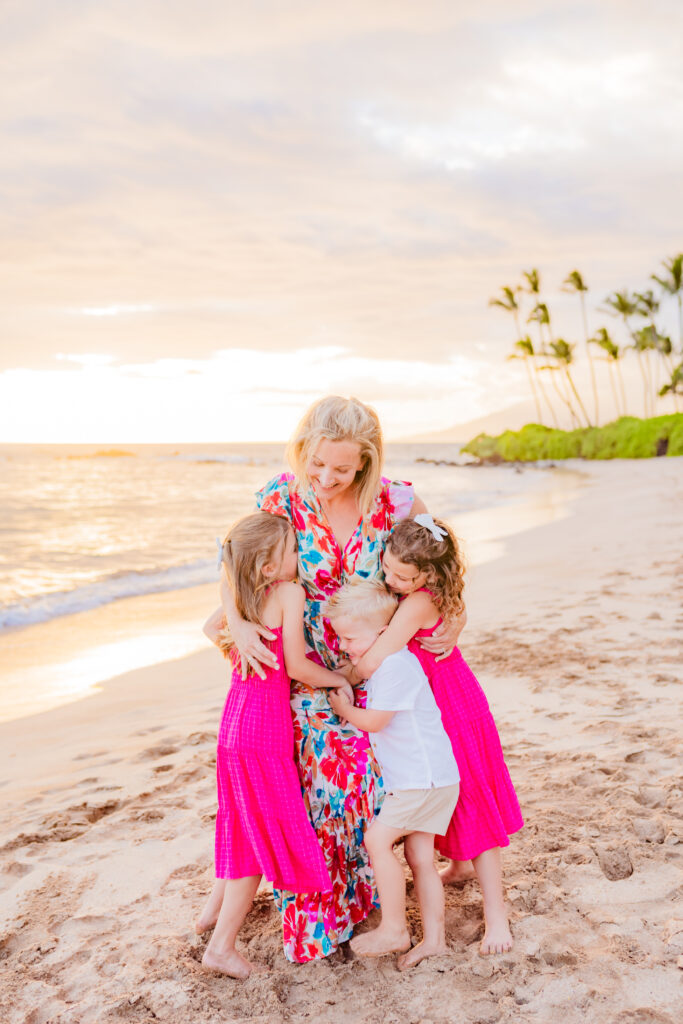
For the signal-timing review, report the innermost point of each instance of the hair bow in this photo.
(424, 519)
(219, 545)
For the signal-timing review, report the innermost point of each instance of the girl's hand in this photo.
(445, 637)
(346, 669)
(252, 652)
(213, 626)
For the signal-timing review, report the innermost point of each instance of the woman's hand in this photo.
(445, 637)
(252, 651)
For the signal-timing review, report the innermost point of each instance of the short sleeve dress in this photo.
(339, 775)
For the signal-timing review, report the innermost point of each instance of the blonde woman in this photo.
(342, 510)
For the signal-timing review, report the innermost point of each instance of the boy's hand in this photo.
(338, 702)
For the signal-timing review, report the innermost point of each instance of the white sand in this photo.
(106, 825)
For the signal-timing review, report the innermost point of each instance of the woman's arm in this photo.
(367, 719)
(415, 612)
(292, 597)
(246, 635)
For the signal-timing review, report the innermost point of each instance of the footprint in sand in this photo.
(162, 768)
(87, 757)
(152, 753)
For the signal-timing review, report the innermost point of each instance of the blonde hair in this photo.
(440, 560)
(341, 419)
(362, 599)
(251, 544)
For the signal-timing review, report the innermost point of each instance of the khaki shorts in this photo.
(420, 810)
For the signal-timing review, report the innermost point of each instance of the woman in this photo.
(342, 510)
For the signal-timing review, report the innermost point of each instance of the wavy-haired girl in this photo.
(424, 566)
(262, 827)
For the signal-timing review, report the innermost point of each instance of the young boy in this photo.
(419, 770)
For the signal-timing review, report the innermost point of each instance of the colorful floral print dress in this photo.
(339, 775)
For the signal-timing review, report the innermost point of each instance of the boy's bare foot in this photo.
(497, 938)
(233, 964)
(380, 942)
(457, 872)
(420, 952)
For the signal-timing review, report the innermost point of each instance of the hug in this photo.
(341, 609)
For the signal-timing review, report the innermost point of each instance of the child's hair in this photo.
(439, 559)
(251, 544)
(341, 419)
(362, 599)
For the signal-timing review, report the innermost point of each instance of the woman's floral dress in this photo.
(339, 775)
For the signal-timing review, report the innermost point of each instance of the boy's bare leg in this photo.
(212, 908)
(419, 851)
(220, 954)
(392, 935)
(497, 936)
(457, 871)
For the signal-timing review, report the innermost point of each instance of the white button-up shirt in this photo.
(413, 750)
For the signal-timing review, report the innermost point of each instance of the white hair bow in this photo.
(219, 545)
(424, 519)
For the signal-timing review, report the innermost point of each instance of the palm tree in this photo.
(524, 350)
(575, 283)
(673, 284)
(540, 314)
(510, 304)
(564, 354)
(613, 355)
(675, 385)
(626, 306)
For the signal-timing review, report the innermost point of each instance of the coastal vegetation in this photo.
(625, 438)
(550, 361)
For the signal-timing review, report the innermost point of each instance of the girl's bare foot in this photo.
(457, 871)
(232, 963)
(209, 915)
(497, 938)
(380, 941)
(420, 952)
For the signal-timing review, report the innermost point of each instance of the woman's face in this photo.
(333, 466)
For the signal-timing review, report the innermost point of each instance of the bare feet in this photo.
(457, 871)
(497, 938)
(233, 964)
(420, 952)
(209, 915)
(380, 942)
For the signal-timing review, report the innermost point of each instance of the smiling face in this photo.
(333, 466)
(356, 636)
(401, 577)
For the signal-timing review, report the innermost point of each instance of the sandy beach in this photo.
(576, 632)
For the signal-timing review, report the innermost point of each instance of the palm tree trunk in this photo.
(533, 390)
(612, 374)
(590, 358)
(561, 396)
(576, 395)
(621, 386)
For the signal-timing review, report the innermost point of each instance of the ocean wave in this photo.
(113, 588)
(233, 460)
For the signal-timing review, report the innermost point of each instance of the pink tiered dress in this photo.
(262, 827)
(487, 811)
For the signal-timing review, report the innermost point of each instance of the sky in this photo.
(213, 213)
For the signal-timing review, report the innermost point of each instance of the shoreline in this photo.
(48, 664)
(106, 828)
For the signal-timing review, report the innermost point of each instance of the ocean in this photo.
(106, 553)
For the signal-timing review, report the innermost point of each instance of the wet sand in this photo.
(576, 632)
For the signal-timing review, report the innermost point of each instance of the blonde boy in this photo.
(420, 774)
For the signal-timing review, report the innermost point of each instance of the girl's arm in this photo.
(367, 719)
(415, 612)
(292, 597)
(246, 635)
(444, 639)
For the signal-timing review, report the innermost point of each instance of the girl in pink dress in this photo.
(262, 827)
(423, 565)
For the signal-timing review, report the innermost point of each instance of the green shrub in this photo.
(625, 438)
